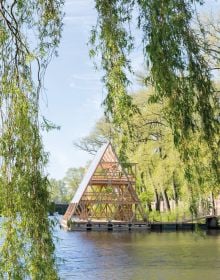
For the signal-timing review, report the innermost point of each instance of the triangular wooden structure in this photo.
(106, 192)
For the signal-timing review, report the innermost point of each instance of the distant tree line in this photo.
(62, 191)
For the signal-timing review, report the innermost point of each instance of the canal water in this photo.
(138, 255)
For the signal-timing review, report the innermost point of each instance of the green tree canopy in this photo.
(177, 56)
(63, 190)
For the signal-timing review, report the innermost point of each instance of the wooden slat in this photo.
(69, 212)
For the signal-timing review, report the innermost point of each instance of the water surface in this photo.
(139, 255)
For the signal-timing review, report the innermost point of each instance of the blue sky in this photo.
(74, 91)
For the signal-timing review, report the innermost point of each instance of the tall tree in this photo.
(30, 32)
(177, 65)
(58, 191)
(72, 179)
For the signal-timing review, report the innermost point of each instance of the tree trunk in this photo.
(213, 204)
(166, 199)
(149, 206)
(175, 191)
(157, 200)
(157, 197)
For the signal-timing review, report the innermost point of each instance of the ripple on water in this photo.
(138, 255)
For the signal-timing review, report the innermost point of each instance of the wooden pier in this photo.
(135, 226)
(105, 226)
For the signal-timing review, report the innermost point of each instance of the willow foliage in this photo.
(29, 34)
(160, 169)
(177, 68)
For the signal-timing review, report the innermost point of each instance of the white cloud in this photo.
(86, 77)
(80, 13)
(88, 20)
(90, 82)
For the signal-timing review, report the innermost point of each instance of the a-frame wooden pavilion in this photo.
(106, 193)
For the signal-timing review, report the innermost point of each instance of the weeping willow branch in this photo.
(178, 69)
(29, 35)
(115, 42)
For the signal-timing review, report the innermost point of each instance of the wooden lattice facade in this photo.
(107, 191)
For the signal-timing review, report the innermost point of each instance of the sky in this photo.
(73, 89)
(74, 93)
